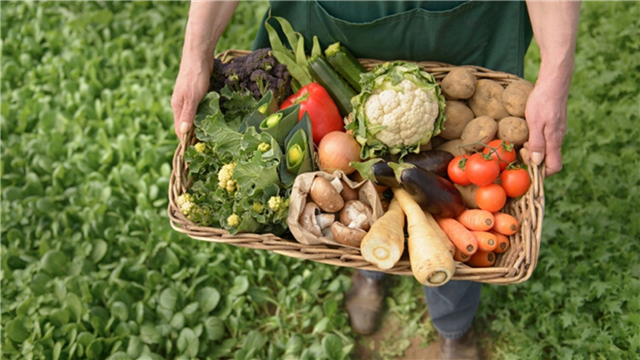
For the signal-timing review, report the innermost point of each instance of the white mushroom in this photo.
(308, 218)
(356, 214)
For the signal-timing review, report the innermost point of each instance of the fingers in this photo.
(176, 105)
(186, 117)
(536, 144)
(553, 160)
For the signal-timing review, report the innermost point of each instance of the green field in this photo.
(91, 268)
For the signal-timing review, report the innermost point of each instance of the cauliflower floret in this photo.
(224, 177)
(233, 220)
(407, 112)
(257, 207)
(275, 202)
(201, 147)
(264, 147)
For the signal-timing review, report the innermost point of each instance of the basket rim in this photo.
(513, 266)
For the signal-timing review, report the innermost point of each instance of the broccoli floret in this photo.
(256, 73)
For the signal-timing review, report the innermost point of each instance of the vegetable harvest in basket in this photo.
(434, 148)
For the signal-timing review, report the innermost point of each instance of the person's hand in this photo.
(191, 86)
(546, 115)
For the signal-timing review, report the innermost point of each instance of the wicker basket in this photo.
(514, 266)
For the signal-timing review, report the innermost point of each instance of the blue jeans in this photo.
(452, 306)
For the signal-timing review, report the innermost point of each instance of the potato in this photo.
(453, 147)
(436, 141)
(459, 83)
(487, 100)
(480, 130)
(458, 116)
(468, 194)
(514, 97)
(514, 130)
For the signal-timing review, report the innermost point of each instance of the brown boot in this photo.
(462, 348)
(364, 303)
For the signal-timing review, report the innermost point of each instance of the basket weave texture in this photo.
(514, 266)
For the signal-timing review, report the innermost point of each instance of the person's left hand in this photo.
(546, 114)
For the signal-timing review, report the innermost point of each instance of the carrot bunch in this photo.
(478, 235)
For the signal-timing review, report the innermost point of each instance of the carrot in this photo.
(476, 219)
(431, 262)
(458, 256)
(503, 242)
(482, 259)
(459, 235)
(445, 239)
(486, 240)
(384, 243)
(505, 224)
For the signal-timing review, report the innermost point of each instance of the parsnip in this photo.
(431, 262)
(384, 243)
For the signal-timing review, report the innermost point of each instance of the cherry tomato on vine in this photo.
(491, 197)
(456, 170)
(515, 182)
(482, 171)
(501, 150)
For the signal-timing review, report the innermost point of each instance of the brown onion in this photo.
(336, 150)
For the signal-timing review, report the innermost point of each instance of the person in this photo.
(494, 35)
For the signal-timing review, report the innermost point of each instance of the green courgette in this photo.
(345, 64)
(341, 92)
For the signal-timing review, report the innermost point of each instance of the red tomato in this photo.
(456, 170)
(322, 110)
(491, 197)
(482, 171)
(501, 150)
(515, 182)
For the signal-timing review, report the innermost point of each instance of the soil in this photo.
(373, 347)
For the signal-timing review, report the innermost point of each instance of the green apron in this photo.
(494, 35)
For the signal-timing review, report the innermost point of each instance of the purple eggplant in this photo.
(432, 192)
(377, 171)
(435, 161)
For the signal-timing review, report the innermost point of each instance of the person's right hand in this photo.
(191, 86)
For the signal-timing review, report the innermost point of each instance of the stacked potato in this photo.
(479, 111)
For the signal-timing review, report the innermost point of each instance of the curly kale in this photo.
(257, 73)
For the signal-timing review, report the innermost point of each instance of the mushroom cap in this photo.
(346, 235)
(325, 195)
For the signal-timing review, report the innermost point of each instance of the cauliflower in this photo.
(225, 175)
(400, 108)
(257, 207)
(407, 115)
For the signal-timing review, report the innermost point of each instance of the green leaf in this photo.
(240, 285)
(321, 326)
(188, 342)
(168, 298)
(332, 346)
(99, 250)
(54, 262)
(208, 299)
(214, 328)
(19, 329)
